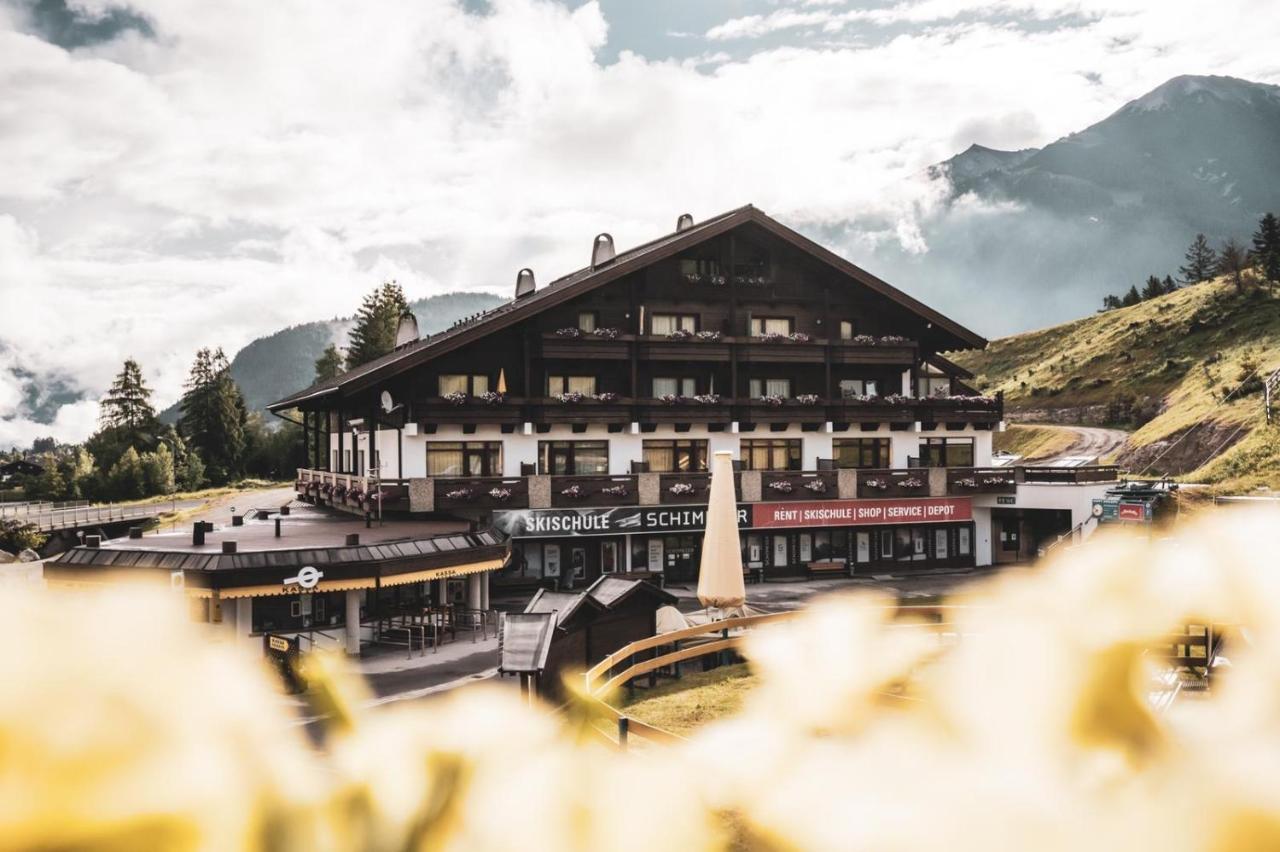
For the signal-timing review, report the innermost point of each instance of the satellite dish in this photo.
(388, 404)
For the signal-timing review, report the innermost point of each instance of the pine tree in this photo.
(214, 416)
(1170, 286)
(1110, 302)
(76, 468)
(374, 334)
(329, 365)
(50, 484)
(1266, 248)
(127, 404)
(1153, 288)
(1201, 261)
(1131, 298)
(1233, 260)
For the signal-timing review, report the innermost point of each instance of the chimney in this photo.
(407, 330)
(684, 222)
(525, 284)
(602, 250)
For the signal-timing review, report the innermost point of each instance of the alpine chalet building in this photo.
(579, 419)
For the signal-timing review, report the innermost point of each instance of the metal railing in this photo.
(73, 518)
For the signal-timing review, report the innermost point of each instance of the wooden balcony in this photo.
(975, 409)
(683, 410)
(349, 492)
(571, 492)
(851, 352)
(753, 410)
(798, 485)
(912, 482)
(490, 492)
(967, 481)
(588, 410)
(757, 350)
(698, 483)
(689, 349)
(875, 410)
(588, 346)
(440, 411)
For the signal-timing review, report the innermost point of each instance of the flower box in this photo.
(773, 400)
(708, 335)
(492, 398)
(607, 333)
(607, 396)
(817, 486)
(574, 491)
(615, 491)
(781, 486)
(571, 332)
(459, 494)
(456, 398)
(808, 399)
(570, 397)
(707, 399)
(500, 494)
(681, 489)
(680, 334)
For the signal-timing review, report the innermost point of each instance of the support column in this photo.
(474, 595)
(354, 597)
(244, 618)
(484, 591)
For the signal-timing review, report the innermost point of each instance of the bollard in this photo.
(353, 539)
(197, 534)
(92, 541)
(135, 532)
(277, 527)
(368, 521)
(228, 547)
(237, 520)
(284, 510)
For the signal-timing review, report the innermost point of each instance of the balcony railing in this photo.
(571, 491)
(693, 487)
(1070, 475)
(720, 348)
(962, 481)
(798, 485)
(490, 492)
(913, 482)
(348, 491)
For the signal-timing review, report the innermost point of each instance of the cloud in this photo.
(247, 166)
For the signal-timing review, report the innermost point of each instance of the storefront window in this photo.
(579, 458)
(770, 454)
(861, 452)
(464, 458)
(946, 452)
(673, 456)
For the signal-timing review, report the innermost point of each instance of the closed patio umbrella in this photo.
(502, 380)
(720, 581)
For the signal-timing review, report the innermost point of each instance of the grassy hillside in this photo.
(1181, 369)
(1031, 442)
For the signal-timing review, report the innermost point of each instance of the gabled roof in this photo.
(610, 591)
(564, 604)
(588, 278)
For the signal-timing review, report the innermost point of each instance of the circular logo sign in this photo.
(307, 578)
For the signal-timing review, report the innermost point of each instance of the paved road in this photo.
(1090, 444)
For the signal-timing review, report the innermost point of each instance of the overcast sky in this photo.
(185, 173)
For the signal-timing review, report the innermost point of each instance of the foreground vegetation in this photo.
(1032, 727)
(697, 698)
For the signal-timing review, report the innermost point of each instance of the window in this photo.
(770, 453)
(846, 329)
(946, 452)
(585, 385)
(673, 456)
(769, 387)
(346, 461)
(853, 388)
(701, 270)
(461, 383)
(862, 452)
(587, 321)
(932, 384)
(334, 463)
(760, 326)
(464, 458)
(662, 324)
(573, 457)
(684, 386)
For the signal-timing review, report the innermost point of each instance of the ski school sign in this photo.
(556, 523)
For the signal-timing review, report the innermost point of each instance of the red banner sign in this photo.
(845, 513)
(1131, 512)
